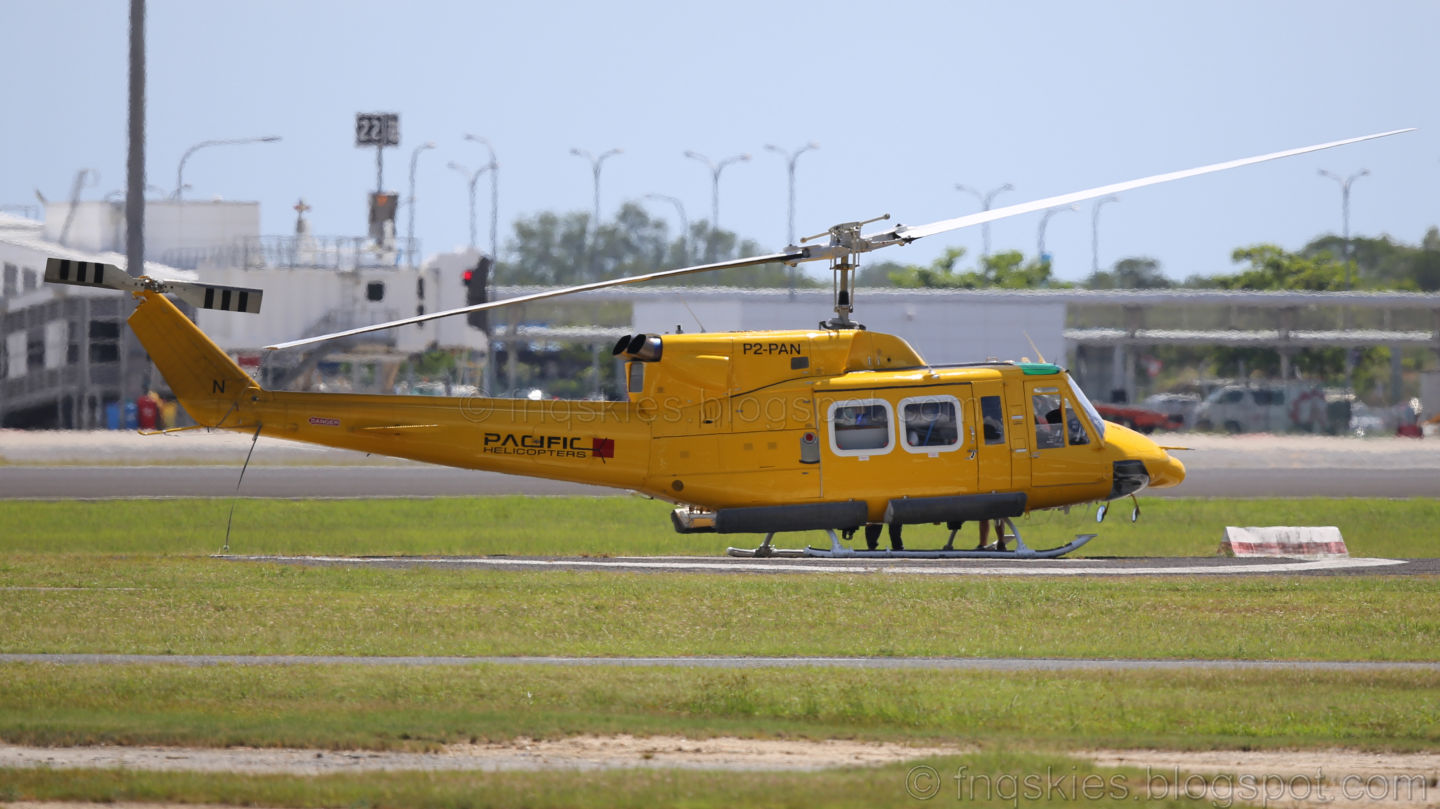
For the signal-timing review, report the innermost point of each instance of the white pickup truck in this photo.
(1270, 408)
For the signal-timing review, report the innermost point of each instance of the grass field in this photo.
(167, 605)
(620, 526)
(985, 779)
(1018, 724)
(86, 577)
(422, 708)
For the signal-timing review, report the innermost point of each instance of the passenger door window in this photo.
(930, 424)
(860, 427)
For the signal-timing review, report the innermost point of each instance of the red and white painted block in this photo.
(1306, 542)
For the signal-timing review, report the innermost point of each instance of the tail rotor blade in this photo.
(215, 296)
(89, 274)
(108, 276)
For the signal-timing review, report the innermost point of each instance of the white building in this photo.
(61, 355)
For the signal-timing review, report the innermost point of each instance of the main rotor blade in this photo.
(793, 255)
(907, 234)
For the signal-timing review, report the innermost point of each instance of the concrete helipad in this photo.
(1128, 566)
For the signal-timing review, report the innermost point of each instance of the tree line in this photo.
(561, 249)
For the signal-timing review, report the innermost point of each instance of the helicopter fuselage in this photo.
(722, 421)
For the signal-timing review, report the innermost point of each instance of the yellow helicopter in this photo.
(835, 428)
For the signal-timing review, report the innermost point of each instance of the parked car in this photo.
(1180, 407)
(1142, 419)
(1272, 408)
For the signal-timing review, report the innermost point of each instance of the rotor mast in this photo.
(845, 244)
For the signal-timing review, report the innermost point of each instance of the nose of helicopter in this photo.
(1163, 469)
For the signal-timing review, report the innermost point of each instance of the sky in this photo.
(905, 99)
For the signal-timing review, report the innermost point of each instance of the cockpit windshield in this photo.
(1096, 423)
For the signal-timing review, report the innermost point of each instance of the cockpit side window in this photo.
(1074, 429)
(1049, 418)
(1097, 424)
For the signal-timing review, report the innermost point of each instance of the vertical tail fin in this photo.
(204, 378)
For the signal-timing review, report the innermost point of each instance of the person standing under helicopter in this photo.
(985, 536)
(872, 536)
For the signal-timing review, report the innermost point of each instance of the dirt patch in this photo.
(1332, 778)
(1336, 779)
(574, 753)
(1285, 762)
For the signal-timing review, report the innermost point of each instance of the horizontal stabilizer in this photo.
(108, 276)
(89, 274)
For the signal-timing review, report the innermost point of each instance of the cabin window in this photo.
(1049, 420)
(930, 423)
(992, 417)
(860, 427)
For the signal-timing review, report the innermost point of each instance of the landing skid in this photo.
(766, 550)
(839, 551)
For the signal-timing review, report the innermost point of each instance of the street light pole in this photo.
(985, 200)
(595, 164)
(470, 179)
(790, 158)
(410, 228)
(684, 224)
(1095, 233)
(1045, 220)
(715, 169)
(1345, 213)
(180, 171)
(494, 196)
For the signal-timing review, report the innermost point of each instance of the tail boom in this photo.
(604, 443)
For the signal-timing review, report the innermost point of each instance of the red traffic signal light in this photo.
(466, 276)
